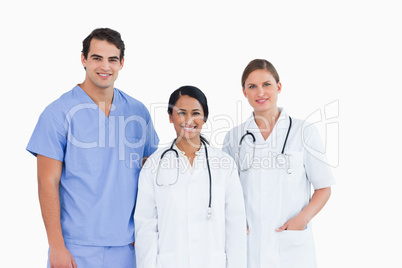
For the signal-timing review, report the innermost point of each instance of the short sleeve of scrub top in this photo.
(151, 144)
(49, 136)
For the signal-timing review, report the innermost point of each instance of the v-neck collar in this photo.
(281, 124)
(87, 99)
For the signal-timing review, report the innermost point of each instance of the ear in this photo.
(244, 92)
(83, 60)
(279, 87)
(170, 118)
(122, 63)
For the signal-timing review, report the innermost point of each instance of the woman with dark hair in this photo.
(277, 171)
(190, 209)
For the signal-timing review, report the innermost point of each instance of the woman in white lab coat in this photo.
(190, 209)
(276, 168)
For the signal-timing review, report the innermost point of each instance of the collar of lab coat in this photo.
(194, 170)
(282, 124)
(283, 120)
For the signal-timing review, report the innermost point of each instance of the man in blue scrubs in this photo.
(90, 144)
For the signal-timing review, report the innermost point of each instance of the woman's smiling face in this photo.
(187, 118)
(261, 90)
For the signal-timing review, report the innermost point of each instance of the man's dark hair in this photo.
(111, 36)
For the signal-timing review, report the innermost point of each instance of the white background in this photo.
(347, 52)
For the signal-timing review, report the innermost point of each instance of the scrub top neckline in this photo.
(86, 98)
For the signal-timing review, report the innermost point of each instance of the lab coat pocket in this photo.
(296, 248)
(133, 152)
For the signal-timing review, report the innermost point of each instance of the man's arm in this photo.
(49, 173)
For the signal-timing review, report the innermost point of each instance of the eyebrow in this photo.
(192, 110)
(250, 84)
(99, 56)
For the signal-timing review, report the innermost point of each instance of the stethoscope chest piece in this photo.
(283, 162)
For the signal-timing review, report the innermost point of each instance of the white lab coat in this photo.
(171, 225)
(272, 196)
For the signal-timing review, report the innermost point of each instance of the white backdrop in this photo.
(343, 55)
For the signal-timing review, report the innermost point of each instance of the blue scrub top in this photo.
(102, 158)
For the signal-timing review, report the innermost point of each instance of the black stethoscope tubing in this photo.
(209, 171)
(287, 135)
(284, 144)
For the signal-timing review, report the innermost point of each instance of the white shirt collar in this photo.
(197, 153)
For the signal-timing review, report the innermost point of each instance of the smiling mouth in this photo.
(104, 75)
(188, 128)
(261, 100)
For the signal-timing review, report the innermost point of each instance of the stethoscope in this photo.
(171, 149)
(280, 157)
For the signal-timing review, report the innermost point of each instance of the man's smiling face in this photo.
(102, 64)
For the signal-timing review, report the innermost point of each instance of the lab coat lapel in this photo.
(251, 126)
(183, 163)
(200, 163)
(278, 135)
(280, 127)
